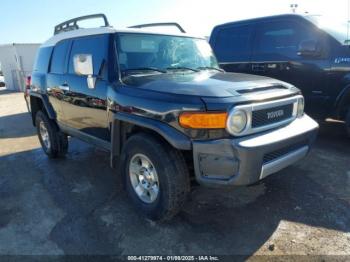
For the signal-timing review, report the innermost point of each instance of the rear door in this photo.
(85, 109)
(56, 86)
(232, 45)
(40, 70)
(276, 55)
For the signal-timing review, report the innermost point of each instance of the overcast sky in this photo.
(32, 21)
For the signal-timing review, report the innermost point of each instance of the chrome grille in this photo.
(267, 115)
(271, 115)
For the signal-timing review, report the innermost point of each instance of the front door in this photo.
(85, 108)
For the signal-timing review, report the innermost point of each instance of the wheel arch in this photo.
(39, 102)
(124, 125)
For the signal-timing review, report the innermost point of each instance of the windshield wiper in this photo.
(144, 69)
(182, 68)
(210, 67)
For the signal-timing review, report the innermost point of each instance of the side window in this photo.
(281, 39)
(97, 46)
(42, 59)
(58, 60)
(233, 44)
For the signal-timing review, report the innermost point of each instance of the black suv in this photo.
(309, 52)
(165, 110)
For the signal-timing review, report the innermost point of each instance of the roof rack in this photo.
(159, 24)
(71, 24)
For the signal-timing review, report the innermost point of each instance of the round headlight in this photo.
(237, 121)
(300, 108)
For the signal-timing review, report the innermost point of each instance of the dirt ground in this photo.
(77, 206)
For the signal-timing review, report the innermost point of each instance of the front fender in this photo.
(174, 137)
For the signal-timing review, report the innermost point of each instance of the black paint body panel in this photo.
(159, 97)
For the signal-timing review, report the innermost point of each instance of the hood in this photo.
(204, 83)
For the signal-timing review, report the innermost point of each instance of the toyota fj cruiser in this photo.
(165, 110)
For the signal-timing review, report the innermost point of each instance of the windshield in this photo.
(162, 53)
(337, 29)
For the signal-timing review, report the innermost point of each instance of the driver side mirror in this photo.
(83, 66)
(309, 48)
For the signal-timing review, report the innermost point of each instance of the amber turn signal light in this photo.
(202, 120)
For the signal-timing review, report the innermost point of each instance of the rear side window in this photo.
(96, 46)
(281, 39)
(233, 44)
(42, 59)
(59, 55)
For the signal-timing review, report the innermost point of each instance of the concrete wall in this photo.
(16, 62)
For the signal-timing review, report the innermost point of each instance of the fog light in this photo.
(236, 122)
(300, 108)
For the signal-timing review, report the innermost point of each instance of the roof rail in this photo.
(160, 24)
(71, 24)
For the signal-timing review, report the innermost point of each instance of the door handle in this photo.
(64, 87)
(258, 67)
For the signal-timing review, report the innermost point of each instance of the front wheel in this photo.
(155, 175)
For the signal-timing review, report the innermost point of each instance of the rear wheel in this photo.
(53, 142)
(155, 175)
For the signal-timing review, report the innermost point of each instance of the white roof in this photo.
(104, 30)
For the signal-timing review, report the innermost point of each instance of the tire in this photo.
(347, 122)
(171, 172)
(57, 144)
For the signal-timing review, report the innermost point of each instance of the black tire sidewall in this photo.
(151, 210)
(41, 117)
(159, 156)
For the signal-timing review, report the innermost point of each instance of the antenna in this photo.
(347, 24)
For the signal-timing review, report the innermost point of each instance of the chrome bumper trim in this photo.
(283, 162)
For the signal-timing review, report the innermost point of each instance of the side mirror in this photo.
(309, 48)
(83, 66)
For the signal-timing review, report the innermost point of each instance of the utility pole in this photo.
(294, 7)
(348, 22)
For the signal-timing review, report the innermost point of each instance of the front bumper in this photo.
(246, 160)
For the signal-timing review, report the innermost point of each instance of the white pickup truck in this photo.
(2, 81)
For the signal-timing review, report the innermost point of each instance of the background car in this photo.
(2, 80)
(309, 52)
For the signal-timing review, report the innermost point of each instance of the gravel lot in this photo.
(77, 206)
